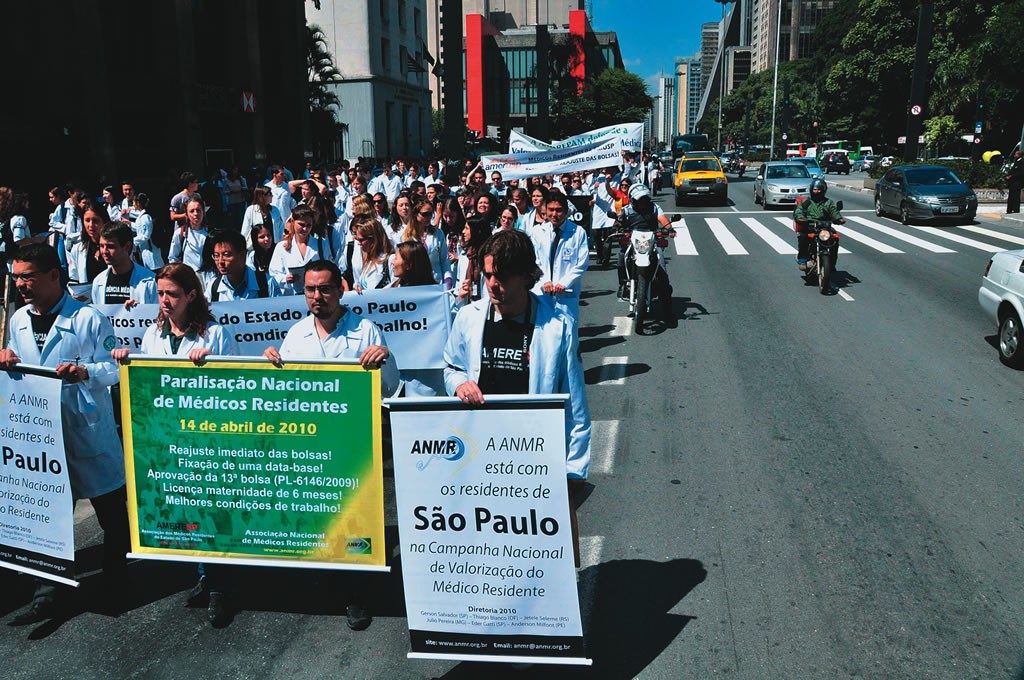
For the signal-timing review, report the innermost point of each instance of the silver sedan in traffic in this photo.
(781, 183)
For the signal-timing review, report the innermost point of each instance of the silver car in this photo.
(781, 183)
(812, 165)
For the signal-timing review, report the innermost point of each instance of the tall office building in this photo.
(666, 108)
(709, 40)
(689, 86)
(379, 50)
(765, 29)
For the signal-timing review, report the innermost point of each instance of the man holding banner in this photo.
(57, 331)
(514, 342)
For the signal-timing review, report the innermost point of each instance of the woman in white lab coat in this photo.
(298, 248)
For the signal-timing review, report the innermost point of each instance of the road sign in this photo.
(977, 128)
(901, 140)
(248, 102)
(785, 136)
(916, 110)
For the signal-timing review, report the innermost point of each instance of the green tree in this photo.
(942, 133)
(615, 96)
(323, 102)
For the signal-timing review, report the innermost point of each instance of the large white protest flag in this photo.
(599, 154)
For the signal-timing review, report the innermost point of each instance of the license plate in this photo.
(949, 209)
(703, 188)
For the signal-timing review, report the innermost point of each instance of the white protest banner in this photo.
(414, 320)
(37, 529)
(631, 135)
(483, 518)
(599, 154)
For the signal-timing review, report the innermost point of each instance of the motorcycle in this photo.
(737, 165)
(646, 278)
(821, 258)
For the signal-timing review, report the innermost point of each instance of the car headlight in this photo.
(719, 180)
(686, 181)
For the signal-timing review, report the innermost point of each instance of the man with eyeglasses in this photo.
(59, 332)
(332, 331)
(233, 279)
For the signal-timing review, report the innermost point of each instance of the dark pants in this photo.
(1013, 199)
(112, 514)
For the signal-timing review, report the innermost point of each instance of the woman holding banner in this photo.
(411, 267)
(185, 327)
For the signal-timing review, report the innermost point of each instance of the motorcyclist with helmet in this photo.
(641, 211)
(818, 207)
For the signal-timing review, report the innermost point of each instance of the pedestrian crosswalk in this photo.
(749, 235)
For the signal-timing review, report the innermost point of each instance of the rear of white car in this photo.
(1002, 297)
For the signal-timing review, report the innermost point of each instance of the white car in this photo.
(1002, 297)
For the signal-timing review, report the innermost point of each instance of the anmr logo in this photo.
(451, 448)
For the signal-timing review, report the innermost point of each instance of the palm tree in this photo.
(323, 102)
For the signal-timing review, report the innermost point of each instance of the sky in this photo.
(652, 33)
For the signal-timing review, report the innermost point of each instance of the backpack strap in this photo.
(264, 285)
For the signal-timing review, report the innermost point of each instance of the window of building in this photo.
(384, 18)
(401, 14)
(417, 20)
(385, 51)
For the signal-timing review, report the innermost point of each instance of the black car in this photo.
(835, 162)
(925, 193)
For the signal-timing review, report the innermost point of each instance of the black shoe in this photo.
(217, 610)
(358, 617)
(622, 291)
(36, 612)
(197, 597)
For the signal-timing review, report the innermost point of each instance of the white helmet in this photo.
(638, 191)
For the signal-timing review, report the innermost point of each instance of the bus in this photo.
(683, 143)
(795, 150)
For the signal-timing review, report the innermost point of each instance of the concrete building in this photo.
(666, 109)
(380, 49)
(689, 89)
(503, 15)
(765, 29)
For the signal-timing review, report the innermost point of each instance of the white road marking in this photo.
(970, 242)
(788, 223)
(623, 326)
(683, 241)
(780, 246)
(604, 441)
(725, 237)
(899, 235)
(846, 296)
(995, 234)
(846, 232)
(613, 370)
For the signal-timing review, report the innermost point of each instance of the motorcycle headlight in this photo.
(824, 234)
(643, 246)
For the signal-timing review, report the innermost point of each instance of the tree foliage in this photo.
(615, 96)
(323, 102)
(857, 83)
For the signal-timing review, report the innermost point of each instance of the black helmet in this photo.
(818, 188)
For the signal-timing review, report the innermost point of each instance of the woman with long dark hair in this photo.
(452, 222)
(261, 248)
(476, 231)
(421, 228)
(84, 262)
(262, 212)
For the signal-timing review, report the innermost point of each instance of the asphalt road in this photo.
(784, 485)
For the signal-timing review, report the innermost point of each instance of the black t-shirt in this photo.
(118, 290)
(505, 357)
(94, 265)
(41, 325)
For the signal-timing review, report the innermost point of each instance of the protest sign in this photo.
(630, 134)
(598, 154)
(483, 516)
(37, 530)
(414, 320)
(243, 462)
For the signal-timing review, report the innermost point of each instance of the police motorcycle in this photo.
(737, 165)
(643, 240)
(823, 251)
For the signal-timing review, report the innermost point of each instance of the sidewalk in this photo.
(996, 211)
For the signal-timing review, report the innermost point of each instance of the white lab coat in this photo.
(555, 368)
(95, 457)
(253, 217)
(142, 281)
(281, 199)
(572, 257)
(188, 250)
(158, 342)
(227, 293)
(284, 258)
(78, 260)
(349, 340)
(148, 252)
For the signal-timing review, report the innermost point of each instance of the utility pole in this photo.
(919, 81)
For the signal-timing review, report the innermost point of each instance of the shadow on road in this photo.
(629, 627)
(594, 331)
(595, 344)
(598, 374)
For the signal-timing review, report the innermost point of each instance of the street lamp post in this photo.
(721, 71)
(775, 86)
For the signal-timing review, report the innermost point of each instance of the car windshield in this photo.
(705, 164)
(931, 177)
(786, 171)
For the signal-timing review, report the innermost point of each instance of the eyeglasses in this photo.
(25, 276)
(425, 213)
(378, 200)
(325, 290)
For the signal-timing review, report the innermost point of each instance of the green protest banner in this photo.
(244, 462)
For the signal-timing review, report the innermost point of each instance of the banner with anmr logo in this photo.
(483, 518)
